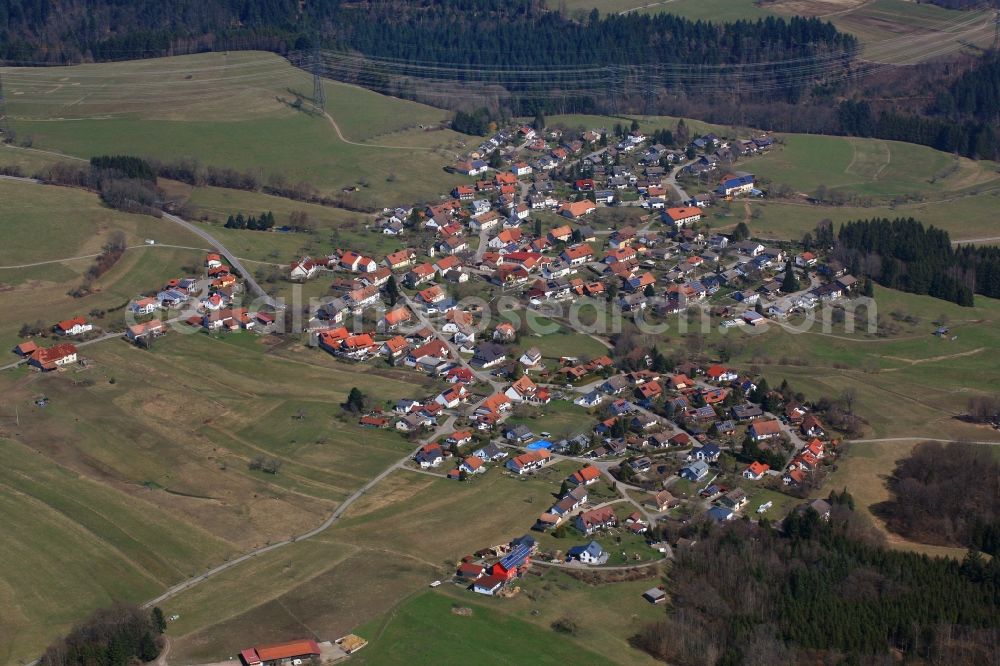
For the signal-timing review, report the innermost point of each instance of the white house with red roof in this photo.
(75, 326)
(303, 269)
(52, 358)
(755, 471)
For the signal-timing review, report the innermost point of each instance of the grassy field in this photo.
(233, 110)
(698, 10)
(427, 629)
(969, 218)
(376, 564)
(66, 226)
(908, 383)
(335, 227)
(881, 170)
(136, 474)
(407, 531)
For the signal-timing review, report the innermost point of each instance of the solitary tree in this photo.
(790, 283)
(355, 400)
(159, 622)
(392, 290)
(741, 232)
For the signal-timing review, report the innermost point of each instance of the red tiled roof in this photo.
(287, 650)
(45, 356)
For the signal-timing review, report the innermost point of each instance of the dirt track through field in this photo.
(932, 359)
(340, 135)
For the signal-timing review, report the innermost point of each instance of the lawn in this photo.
(232, 110)
(427, 629)
(561, 418)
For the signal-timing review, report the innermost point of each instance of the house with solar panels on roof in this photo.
(514, 561)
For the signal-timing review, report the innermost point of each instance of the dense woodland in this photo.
(116, 636)
(822, 592)
(947, 495)
(903, 254)
(727, 73)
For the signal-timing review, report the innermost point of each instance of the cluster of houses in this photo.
(60, 355)
(47, 359)
(210, 299)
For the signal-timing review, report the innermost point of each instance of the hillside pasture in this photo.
(136, 473)
(966, 219)
(909, 383)
(52, 236)
(890, 31)
(874, 168)
(238, 110)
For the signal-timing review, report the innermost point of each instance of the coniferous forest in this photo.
(823, 591)
(785, 74)
(903, 254)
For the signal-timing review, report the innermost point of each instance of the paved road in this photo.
(233, 260)
(106, 336)
(482, 375)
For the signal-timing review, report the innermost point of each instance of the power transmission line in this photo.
(319, 95)
(5, 134)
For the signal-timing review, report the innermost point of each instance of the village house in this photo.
(429, 455)
(525, 390)
(528, 462)
(75, 326)
(144, 331)
(761, 430)
(585, 476)
(681, 216)
(400, 260)
(592, 521)
(695, 471)
(303, 269)
(591, 553)
(58, 356)
(755, 471)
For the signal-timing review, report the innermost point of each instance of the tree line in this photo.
(903, 254)
(823, 591)
(963, 135)
(264, 223)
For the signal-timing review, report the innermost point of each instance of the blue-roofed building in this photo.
(708, 453)
(591, 553)
(720, 514)
(695, 471)
(733, 184)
